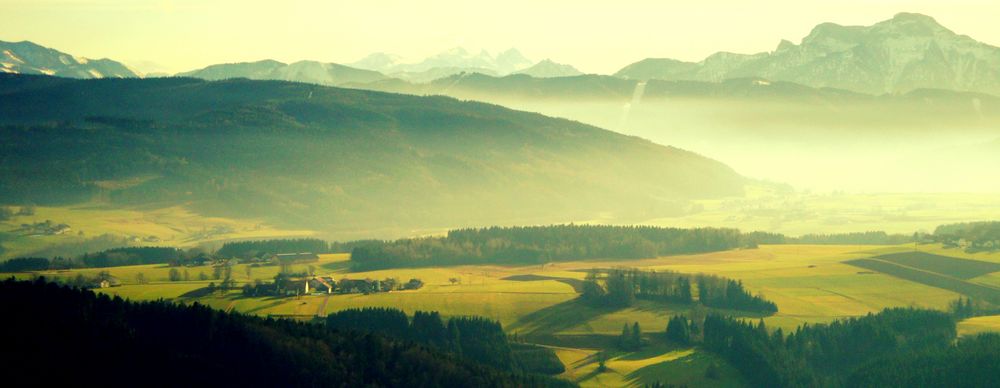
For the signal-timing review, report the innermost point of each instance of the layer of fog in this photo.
(821, 148)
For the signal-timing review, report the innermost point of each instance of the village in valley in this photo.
(288, 283)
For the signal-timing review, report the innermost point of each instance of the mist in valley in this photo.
(819, 148)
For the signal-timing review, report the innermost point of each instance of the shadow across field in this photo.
(557, 318)
(337, 266)
(686, 370)
(197, 293)
(964, 269)
(929, 278)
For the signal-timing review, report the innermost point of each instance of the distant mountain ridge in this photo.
(503, 63)
(30, 58)
(330, 74)
(593, 87)
(905, 53)
(549, 69)
(444, 64)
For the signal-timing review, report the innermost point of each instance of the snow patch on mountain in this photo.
(902, 54)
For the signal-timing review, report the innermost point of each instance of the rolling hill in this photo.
(30, 58)
(902, 54)
(328, 158)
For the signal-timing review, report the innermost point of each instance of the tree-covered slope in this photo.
(327, 157)
(60, 335)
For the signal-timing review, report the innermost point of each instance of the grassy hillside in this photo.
(327, 158)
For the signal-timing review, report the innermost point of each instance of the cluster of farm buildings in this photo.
(289, 284)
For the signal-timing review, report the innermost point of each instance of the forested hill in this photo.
(328, 157)
(111, 342)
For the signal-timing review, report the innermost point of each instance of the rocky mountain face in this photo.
(30, 58)
(902, 54)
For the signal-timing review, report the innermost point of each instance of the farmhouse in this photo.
(356, 286)
(105, 282)
(321, 284)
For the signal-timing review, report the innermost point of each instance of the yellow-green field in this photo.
(171, 226)
(685, 366)
(978, 325)
(809, 283)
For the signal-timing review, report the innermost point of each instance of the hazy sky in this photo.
(595, 36)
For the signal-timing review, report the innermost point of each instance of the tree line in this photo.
(620, 287)
(540, 244)
(260, 248)
(495, 245)
(476, 338)
(165, 344)
(114, 257)
(854, 238)
(971, 362)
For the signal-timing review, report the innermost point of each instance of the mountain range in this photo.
(303, 71)
(380, 66)
(329, 158)
(30, 58)
(457, 58)
(905, 53)
(601, 88)
(549, 69)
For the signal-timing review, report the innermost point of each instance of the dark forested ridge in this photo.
(892, 348)
(972, 362)
(474, 338)
(162, 344)
(330, 158)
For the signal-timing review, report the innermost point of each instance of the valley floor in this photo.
(809, 283)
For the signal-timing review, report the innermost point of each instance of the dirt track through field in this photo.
(322, 306)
